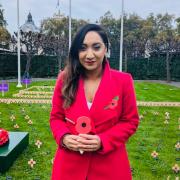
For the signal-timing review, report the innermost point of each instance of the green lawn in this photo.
(152, 135)
(39, 130)
(14, 90)
(147, 91)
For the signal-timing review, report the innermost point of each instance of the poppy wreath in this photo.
(83, 125)
(4, 137)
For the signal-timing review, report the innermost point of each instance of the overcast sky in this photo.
(85, 9)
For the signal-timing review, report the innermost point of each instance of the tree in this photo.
(2, 20)
(54, 45)
(164, 22)
(58, 25)
(155, 33)
(110, 24)
(165, 38)
(178, 26)
(55, 26)
(30, 44)
(132, 35)
(4, 34)
(133, 39)
(56, 33)
(55, 37)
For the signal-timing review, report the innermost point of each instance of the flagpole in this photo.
(18, 51)
(121, 36)
(69, 24)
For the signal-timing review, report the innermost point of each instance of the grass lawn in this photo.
(153, 135)
(148, 91)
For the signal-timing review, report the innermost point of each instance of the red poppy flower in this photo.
(83, 125)
(4, 136)
(113, 104)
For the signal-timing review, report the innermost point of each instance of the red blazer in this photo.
(114, 123)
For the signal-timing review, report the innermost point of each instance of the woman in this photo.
(93, 113)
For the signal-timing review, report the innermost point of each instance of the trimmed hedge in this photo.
(41, 66)
(47, 66)
(152, 69)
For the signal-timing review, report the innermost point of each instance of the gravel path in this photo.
(172, 83)
(43, 101)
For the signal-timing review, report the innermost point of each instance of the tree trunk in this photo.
(28, 64)
(59, 62)
(168, 75)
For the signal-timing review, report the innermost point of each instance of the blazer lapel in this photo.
(103, 97)
(79, 107)
(98, 112)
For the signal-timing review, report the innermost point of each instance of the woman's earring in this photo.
(108, 54)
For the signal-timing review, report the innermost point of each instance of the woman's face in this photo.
(92, 52)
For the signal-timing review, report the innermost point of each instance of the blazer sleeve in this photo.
(57, 123)
(117, 135)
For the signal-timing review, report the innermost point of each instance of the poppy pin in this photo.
(113, 104)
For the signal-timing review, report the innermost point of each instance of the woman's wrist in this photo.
(62, 141)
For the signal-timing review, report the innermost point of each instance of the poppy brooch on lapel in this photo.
(113, 104)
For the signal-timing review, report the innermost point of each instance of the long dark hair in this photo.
(73, 68)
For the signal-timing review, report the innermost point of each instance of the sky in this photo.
(83, 9)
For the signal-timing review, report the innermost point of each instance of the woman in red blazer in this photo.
(93, 113)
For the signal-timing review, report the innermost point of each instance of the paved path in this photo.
(167, 104)
(25, 101)
(172, 83)
(43, 101)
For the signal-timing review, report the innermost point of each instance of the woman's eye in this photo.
(82, 48)
(97, 47)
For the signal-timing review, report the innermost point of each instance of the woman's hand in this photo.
(82, 142)
(87, 142)
(70, 142)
